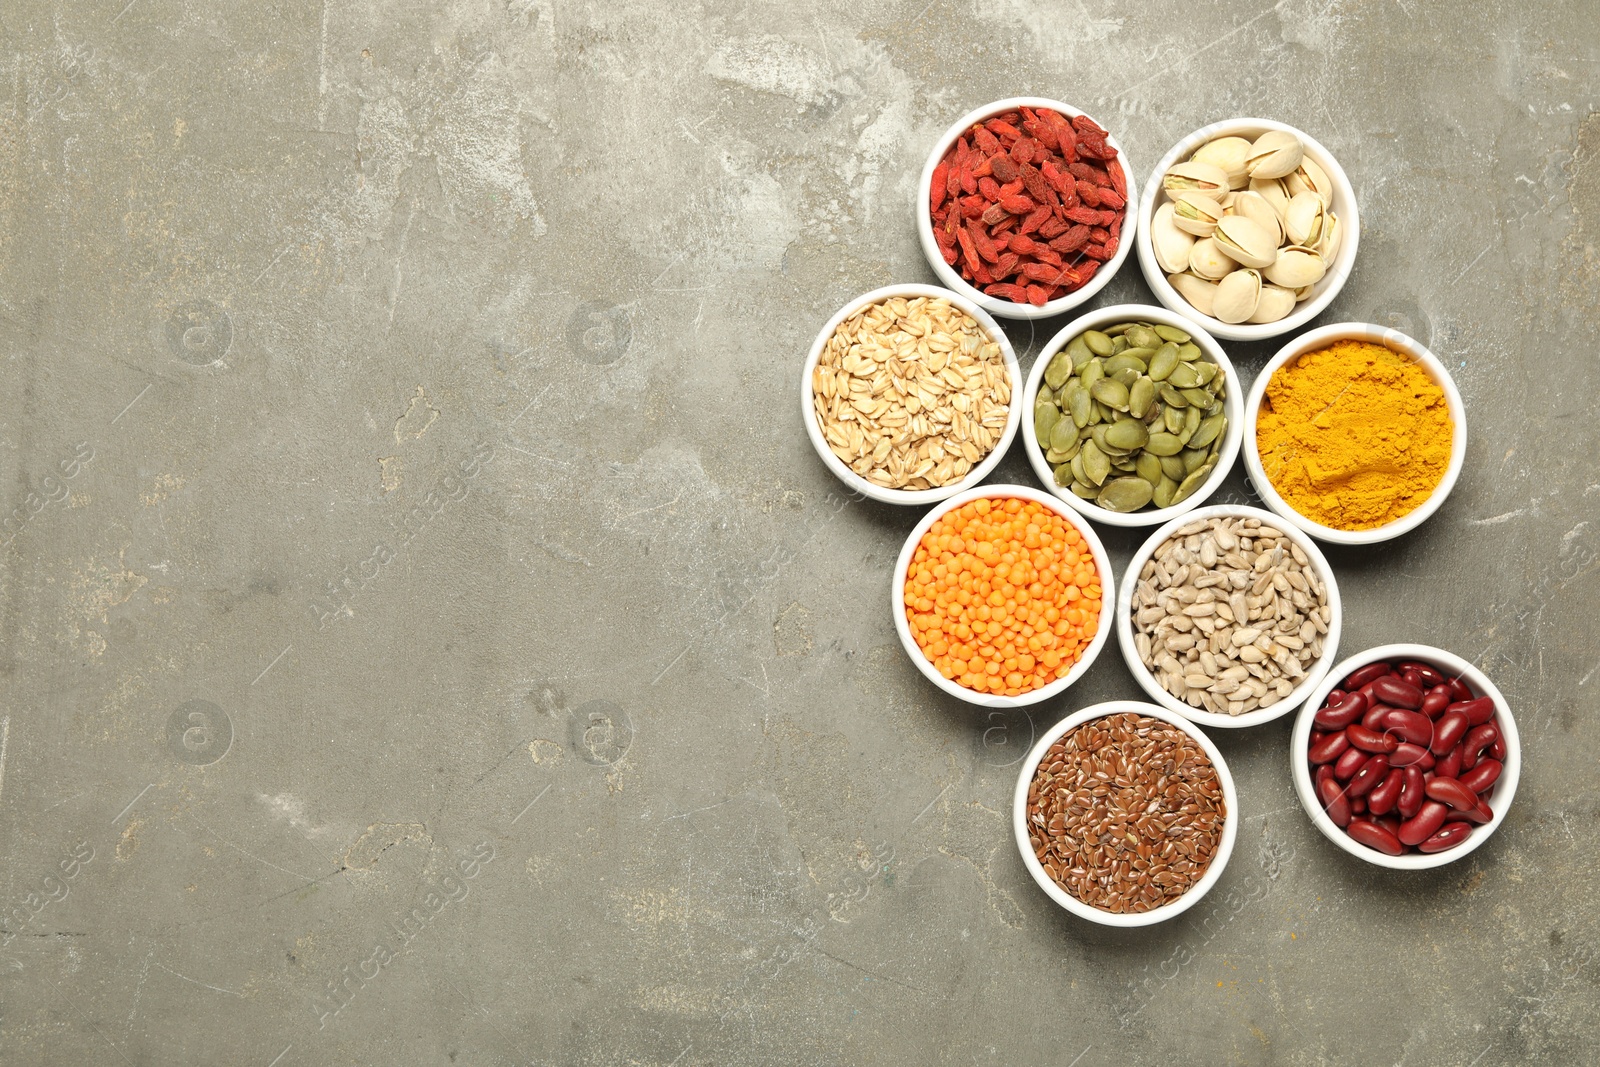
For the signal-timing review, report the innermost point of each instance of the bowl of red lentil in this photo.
(1125, 814)
(1045, 231)
(1003, 596)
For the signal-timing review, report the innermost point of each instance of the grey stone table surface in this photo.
(427, 636)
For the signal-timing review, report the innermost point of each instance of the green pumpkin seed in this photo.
(1100, 344)
(1058, 370)
(1172, 467)
(1144, 336)
(1184, 376)
(1189, 352)
(1162, 497)
(1044, 420)
(1148, 467)
(1080, 353)
(1163, 444)
(1063, 434)
(1125, 466)
(1092, 372)
(1191, 423)
(1127, 376)
(1118, 344)
(1063, 475)
(1172, 397)
(1124, 361)
(1163, 362)
(1128, 434)
(1172, 419)
(1125, 494)
(1198, 397)
(1140, 395)
(1080, 404)
(1077, 468)
(1111, 393)
(1099, 413)
(1205, 371)
(1096, 465)
(1193, 460)
(1119, 328)
(1171, 333)
(1086, 492)
(1208, 430)
(1191, 483)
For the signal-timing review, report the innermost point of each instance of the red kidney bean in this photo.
(1498, 749)
(1382, 800)
(1435, 701)
(1477, 711)
(1450, 729)
(1349, 763)
(1459, 688)
(1338, 715)
(1410, 725)
(1478, 813)
(1398, 692)
(1330, 748)
(1368, 777)
(1405, 754)
(1451, 835)
(1373, 719)
(1362, 676)
(1449, 765)
(1335, 803)
(1423, 824)
(1369, 833)
(1482, 776)
(1358, 805)
(1478, 738)
(1451, 792)
(1412, 793)
(1371, 740)
(1390, 823)
(1411, 677)
(1429, 674)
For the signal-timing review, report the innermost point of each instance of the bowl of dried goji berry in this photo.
(1027, 207)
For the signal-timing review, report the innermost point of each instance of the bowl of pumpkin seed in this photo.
(1132, 415)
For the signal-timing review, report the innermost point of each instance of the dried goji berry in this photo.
(1082, 172)
(1088, 194)
(1052, 227)
(948, 254)
(1072, 240)
(973, 207)
(1088, 216)
(1111, 247)
(1053, 174)
(1017, 205)
(1119, 179)
(989, 188)
(1003, 130)
(969, 180)
(1042, 272)
(1096, 251)
(969, 251)
(1007, 291)
(1108, 217)
(1022, 243)
(1037, 187)
(1022, 151)
(993, 213)
(1038, 295)
(1007, 265)
(1111, 198)
(1086, 270)
(987, 142)
(1034, 219)
(1002, 168)
(936, 189)
(1011, 188)
(981, 241)
(1116, 226)
(1005, 224)
(1045, 254)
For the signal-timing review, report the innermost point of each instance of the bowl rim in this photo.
(1233, 404)
(1400, 344)
(897, 591)
(912, 497)
(1148, 682)
(1009, 308)
(1339, 271)
(1019, 816)
(1505, 789)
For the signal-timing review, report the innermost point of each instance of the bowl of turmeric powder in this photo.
(1354, 433)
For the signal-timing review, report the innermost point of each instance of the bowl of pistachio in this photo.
(1248, 226)
(1132, 415)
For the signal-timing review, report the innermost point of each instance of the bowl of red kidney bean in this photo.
(1026, 207)
(1406, 756)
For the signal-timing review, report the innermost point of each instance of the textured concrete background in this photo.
(412, 385)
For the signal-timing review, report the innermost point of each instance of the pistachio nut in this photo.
(1309, 177)
(1328, 247)
(1197, 213)
(1274, 192)
(1195, 289)
(1295, 267)
(1274, 155)
(1275, 303)
(1199, 177)
(1237, 296)
(1304, 292)
(1209, 262)
(1302, 219)
(1170, 244)
(1230, 154)
(1254, 207)
(1245, 241)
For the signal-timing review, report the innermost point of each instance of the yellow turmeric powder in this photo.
(1354, 436)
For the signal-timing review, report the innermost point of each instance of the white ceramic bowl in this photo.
(1499, 798)
(1233, 404)
(1397, 342)
(952, 278)
(1344, 206)
(1148, 681)
(808, 411)
(993, 700)
(1019, 817)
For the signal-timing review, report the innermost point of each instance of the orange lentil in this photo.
(1003, 596)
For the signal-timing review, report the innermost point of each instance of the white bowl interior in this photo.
(1008, 308)
(1019, 817)
(1233, 403)
(1397, 342)
(1148, 682)
(1505, 790)
(915, 497)
(994, 700)
(1344, 206)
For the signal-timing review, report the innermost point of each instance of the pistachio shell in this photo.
(1237, 296)
(1170, 244)
(1332, 232)
(1230, 154)
(1296, 267)
(1309, 177)
(1255, 207)
(1246, 242)
(1209, 261)
(1274, 154)
(1275, 303)
(1180, 178)
(1273, 191)
(1197, 213)
(1304, 292)
(1199, 292)
(1302, 219)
